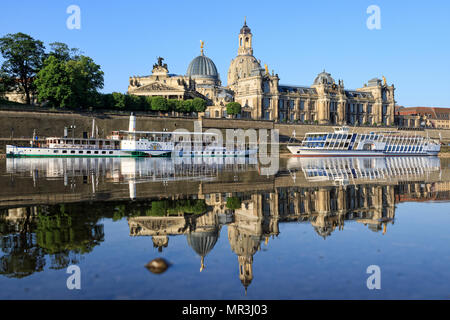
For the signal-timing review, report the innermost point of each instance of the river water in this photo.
(335, 228)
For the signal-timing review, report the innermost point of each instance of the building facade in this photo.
(423, 117)
(324, 102)
(263, 97)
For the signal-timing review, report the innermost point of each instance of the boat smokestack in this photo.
(93, 128)
(132, 126)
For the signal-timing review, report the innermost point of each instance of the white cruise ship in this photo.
(129, 143)
(342, 143)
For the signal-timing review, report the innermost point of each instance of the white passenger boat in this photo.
(342, 143)
(130, 143)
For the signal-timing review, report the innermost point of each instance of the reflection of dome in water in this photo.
(324, 231)
(203, 242)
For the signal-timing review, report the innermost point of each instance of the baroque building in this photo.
(201, 80)
(324, 102)
(263, 97)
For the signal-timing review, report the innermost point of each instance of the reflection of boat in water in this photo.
(125, 169)
(345, 169)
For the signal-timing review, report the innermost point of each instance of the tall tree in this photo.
(69, 83)
(23, 58)
(62, 52)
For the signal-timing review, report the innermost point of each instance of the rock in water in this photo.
(158, 265)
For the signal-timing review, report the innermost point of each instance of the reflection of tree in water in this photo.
(21, 256)
(62, 232)
(65, 233)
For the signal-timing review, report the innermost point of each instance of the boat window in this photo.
(88, 152)
(64, 151)
(103, 152)
(81, 152)
(55, 151)
(73, 151)
(92, 142)
(334, 136)
(96, 152)
(110, 152)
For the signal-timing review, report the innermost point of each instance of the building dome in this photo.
(202, 67)
(243, 67)
(323, 77)
(245, 29)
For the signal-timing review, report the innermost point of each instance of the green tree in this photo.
(159, 104)
(234, 108)
(148, 102)
(6, 83)
(172, 104)
(62, 52)
(119, 100)
(71, 83)
(52, 83)
(199, 105)
(23, 59)
(186, 106)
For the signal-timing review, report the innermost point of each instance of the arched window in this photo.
(240, 42)
(217, 113)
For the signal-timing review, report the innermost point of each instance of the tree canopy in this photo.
(234, 108)
(68, 80)
(23, 57)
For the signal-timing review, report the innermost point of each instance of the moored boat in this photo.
(343, 143)
(127, 143)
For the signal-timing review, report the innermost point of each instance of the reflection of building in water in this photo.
(202, 231)
(257, 218)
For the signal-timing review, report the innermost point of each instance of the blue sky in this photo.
(297, 39)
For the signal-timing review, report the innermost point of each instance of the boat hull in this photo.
(298, 151)
(36, 152)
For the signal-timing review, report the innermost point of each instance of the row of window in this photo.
(403, 148)
(82, 152)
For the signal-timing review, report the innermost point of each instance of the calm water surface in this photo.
(227, 232)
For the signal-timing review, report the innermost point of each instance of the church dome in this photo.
(324, 77)
(202, 67)
(243, 66)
